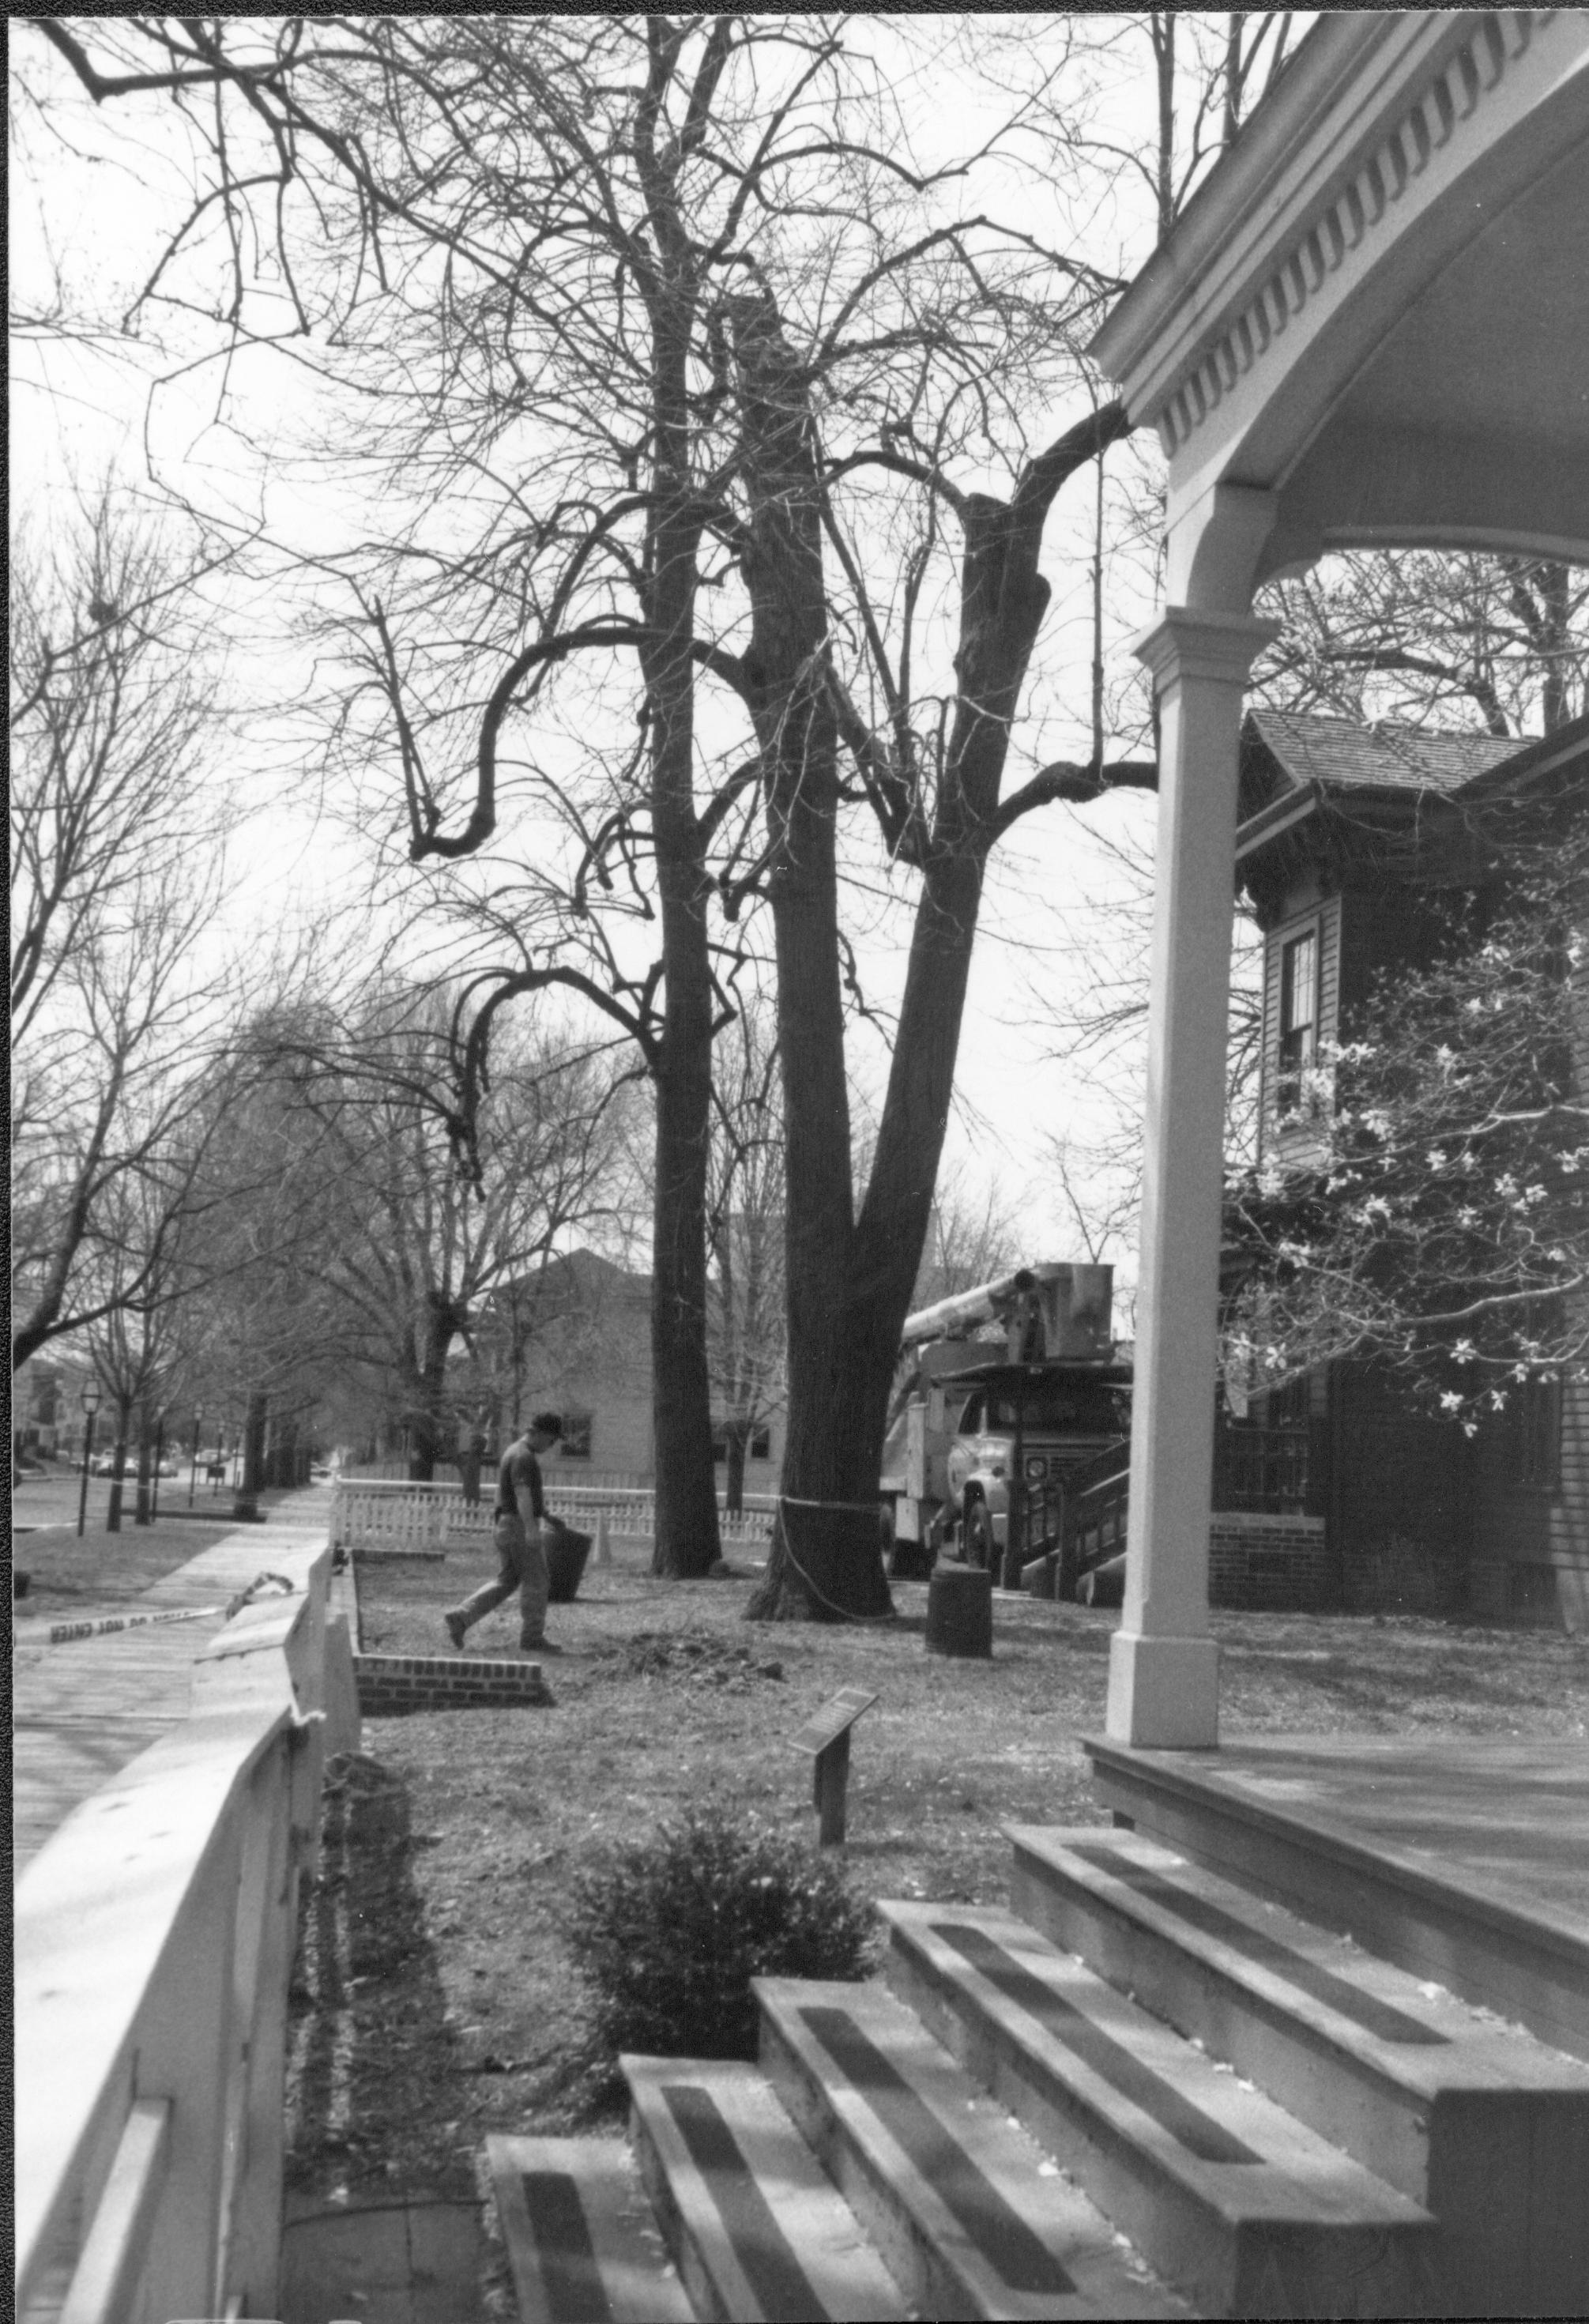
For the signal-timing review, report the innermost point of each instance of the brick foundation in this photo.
(1268, 1565)
(391, 1685)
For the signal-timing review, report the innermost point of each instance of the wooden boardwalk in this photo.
(81, 1709)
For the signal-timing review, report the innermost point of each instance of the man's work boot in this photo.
(456, 1629)
(539, 1647)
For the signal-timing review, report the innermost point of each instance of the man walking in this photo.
(519, 1549)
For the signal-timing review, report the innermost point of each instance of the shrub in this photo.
(670, 1933)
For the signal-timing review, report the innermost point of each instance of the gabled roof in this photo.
(1293, 764)
(1342, 754)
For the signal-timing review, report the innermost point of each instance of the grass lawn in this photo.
(438, 1999)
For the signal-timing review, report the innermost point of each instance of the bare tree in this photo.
(694, 278)
(408, 1238)
(1421, 637)
(974, 1237)
(120, 1023)
(745, 1198)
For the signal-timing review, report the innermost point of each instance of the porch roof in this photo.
(1374, 309)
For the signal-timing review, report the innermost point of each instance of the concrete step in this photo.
(1475, 2119)
(1244, 2208)
(973, 2220)
(756, 2227)
(582, 2242)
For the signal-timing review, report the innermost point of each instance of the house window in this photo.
(1299, 1016)
(758, 1445)
(575, 1442)
(1538, 1439)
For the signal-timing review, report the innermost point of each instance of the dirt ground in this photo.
(437, 1997)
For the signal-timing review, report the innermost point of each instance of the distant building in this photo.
(47, 1419)
(576, 1337)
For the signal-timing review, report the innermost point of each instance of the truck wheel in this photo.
(980, 1548)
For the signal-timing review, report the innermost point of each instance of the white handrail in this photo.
(154, 1938)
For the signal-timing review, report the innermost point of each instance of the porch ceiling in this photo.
(1377, 310)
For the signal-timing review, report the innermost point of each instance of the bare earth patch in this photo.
(437, 1997)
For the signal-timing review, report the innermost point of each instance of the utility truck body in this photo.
(1003, 1394)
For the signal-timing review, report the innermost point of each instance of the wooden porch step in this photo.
(1463, 1862)
(582, 2242)
(972, 2220)
(759, 2232)
(1475, 2119)
(1243, 2207)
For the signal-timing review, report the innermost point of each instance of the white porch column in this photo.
(1163, 1665)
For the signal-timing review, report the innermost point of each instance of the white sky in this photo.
(96, 213)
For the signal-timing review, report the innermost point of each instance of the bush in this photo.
(670, 1933)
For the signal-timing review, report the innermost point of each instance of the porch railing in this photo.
(1095, 1508)
(154, 1938)
(371, 1513)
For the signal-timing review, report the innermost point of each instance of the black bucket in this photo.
(960, 1611)
(567, 1549)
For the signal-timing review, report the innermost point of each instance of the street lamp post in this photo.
(193, 1475)
(159, 1457)
(90, 1401)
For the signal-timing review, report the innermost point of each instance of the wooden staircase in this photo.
(1146, 2092)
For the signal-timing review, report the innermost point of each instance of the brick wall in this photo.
(391, 1685)
(1268, 1564)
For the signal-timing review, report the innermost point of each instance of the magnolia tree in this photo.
(1445, 1226)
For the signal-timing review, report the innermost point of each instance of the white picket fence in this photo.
(370, 1513)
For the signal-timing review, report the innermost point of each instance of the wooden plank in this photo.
(1234, 2200)
(582, 2242)
(971, 2217)
(759, 2231)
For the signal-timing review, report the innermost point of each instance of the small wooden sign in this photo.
(827, 1737)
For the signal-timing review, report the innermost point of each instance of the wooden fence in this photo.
(367, 1512)
(155, 1939)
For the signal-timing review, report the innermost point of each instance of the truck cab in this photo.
(1024, 1432)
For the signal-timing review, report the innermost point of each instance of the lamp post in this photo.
(193, 1474)
(159, 1457)
(90, 1402)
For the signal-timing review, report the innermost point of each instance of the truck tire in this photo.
(981, 1549)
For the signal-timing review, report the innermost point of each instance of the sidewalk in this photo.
(82, 1710)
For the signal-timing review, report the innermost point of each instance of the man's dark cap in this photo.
(547, 1424)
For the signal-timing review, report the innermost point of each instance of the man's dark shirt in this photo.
(517, 1467)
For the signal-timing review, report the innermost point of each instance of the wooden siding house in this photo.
(1350, 840)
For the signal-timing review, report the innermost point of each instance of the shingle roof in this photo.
(1337, 751)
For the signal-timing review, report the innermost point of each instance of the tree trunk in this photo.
(686, 1538)
(113, 1514)
(737, 1434)
(140, 1512)
(252, 1481)
(825, 1564)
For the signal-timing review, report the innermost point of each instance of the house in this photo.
(1350, 841)
(46, 1418)
(576, 1337)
